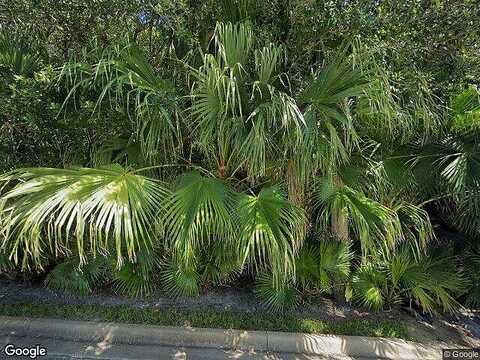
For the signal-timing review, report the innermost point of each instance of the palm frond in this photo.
(369, 283)
(180, 280)
(234, 42)
(68, 277)
(429, 280)
(327, 98)
(272, 231)
(465, 110)
(123, 77)
(200, 210)
(48, 207)
(324, 265)
(373, 223)
(278, 299)
(220, 263)
(267, 63)
(138, 278)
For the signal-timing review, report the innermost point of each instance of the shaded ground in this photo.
(450, 331)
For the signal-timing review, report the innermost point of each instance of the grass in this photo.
(209, 319)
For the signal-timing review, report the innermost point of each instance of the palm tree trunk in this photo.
(340, 231)
(296, 190)
(339, 219)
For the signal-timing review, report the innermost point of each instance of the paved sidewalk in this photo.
(62, 349)
(125, 341)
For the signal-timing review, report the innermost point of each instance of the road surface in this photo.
(61, 349)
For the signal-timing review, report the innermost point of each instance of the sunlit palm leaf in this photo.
(49, 207)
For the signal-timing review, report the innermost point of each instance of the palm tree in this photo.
(260, 160)
(409, 275)
(243, 117)
(352, 192)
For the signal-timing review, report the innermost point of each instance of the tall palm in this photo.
(343, 101)
(243, 117)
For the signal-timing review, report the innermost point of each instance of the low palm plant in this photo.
(179, 279)
(324, 266)
(140, 277)
(278, 298)
(70, 277)
(406, 275)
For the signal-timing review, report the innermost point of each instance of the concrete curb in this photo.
(327, 345)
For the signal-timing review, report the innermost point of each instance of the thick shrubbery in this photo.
(317, 148)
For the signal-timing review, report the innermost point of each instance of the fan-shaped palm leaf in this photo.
(373, 223)
(465, 110)
(238, 120)
(47, 206)
(234, 42)
(431, 281)
(277, 298)
(272, 231)
(200, 210)
(369, 283)
(68, 277)
(180, 280)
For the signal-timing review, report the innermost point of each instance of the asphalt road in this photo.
(61, 349)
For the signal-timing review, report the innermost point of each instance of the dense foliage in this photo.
(319, 147)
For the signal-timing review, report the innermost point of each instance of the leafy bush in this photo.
(71, 277)
(277, 297)
(324, 266)
(290, 123)
(429, 281)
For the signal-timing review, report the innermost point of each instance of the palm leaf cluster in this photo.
(343, 156)
(428, 280)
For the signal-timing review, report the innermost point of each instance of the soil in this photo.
(460, 330)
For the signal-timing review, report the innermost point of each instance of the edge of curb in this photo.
(314, 344)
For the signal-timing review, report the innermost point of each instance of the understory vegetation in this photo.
(318, 148)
